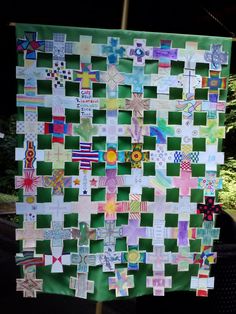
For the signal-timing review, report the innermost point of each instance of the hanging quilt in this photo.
(119, 138)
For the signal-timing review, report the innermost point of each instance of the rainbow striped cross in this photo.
(85, 156)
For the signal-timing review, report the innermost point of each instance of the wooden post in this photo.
(99, 308)
(125, 14)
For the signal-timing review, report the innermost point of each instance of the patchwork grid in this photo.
(118, 165)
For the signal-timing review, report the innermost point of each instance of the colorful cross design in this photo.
(158, 258)
(111, 207)
(158, 282)
(57, 181)
(109, 233)
(85, 130)
(29, 154)
(183, 258)
(58, 46)
(212, 131)
(59, 75)
(208, 233)
(86, 76)
(83, 259)
(29, 234)
(164, 54)
(85, 156)
(136, 157)
(202, 283)
(205, 258)
(210, 183)
(30, 45)
(209, 208)
(211, 158)
(216, 57)
(139, 52)
(28, 182)
(58, 128)
(162, 131)
(121, 282)
(189, 106)
(30, 127)
(133, 232)
(57, 259)
(138, 104)
(184, 183)
(108, 259)
(84, 234)
(111, 156)
(81, 285)
(137, 79)
(133, 257)
(111, 181)
(113, 78)
(137, 206)
(85, 208)
(214, 82)
(113, 50)
(58, 156)
(29, 285)
(29, 258)
(57, 234)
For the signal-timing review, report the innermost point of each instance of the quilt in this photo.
(119, 148)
